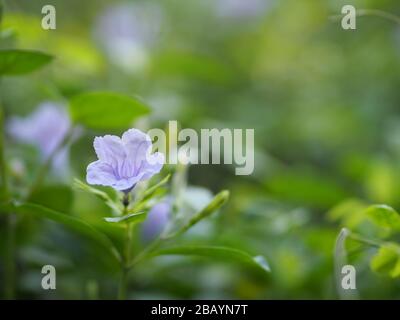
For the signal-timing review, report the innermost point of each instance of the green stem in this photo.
(146, 251)
(123, 284)
(3, 168)
(10, 267)
(128, 243)
(340, 258)
(9, 264)
(162, 238)
(378, 13)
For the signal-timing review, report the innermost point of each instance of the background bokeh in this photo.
(324, 103)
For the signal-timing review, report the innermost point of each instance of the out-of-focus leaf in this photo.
(69, 221)
(6, 33)
(382, 182)
(387, 260)
(193, 66)
(306, 187)
(106, 110)
(396, 270)
(18, 62)
(75, 54)
(217, 202)
(384, 217)
(350, 212)
(57, 197)
(215, 252)
(98, 193)
(133, 217)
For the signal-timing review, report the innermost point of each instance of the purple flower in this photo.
(127, 30)
(125, 161)
(156, 221)
(46, 128)
(241, 8)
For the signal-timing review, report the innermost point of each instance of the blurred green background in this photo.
(324, 103)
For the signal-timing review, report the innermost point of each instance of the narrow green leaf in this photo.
(133, 217)
(384, 217)
(144, 201)
(215, 252)
(150, 191)
(18, 62)
(217, 202)
(57, 197)
(106, 110)
(80, 185)
(69, 221)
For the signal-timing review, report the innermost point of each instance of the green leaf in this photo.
(215, 252)
(217, 202)
(133, 217)
(18, 62)
(69, 221)
(396, 270)
(106, 110)
(80, 185)
(384, 216)
(387, 260)
(150, 191)
(305, 186)
(57, 197)
(351, 212)
(143, 202)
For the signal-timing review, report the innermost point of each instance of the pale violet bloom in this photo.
(156, 221)
(127, 31)
(241, 8)
(46, 128)
(125, 161)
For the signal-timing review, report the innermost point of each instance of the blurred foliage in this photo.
(324, 106)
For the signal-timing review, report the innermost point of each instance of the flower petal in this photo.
(137, 144)
(156, 221)
(127, 183)
(100, 173)
(109, 149)
(153, 165)
(124, 162)
(44, 128)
